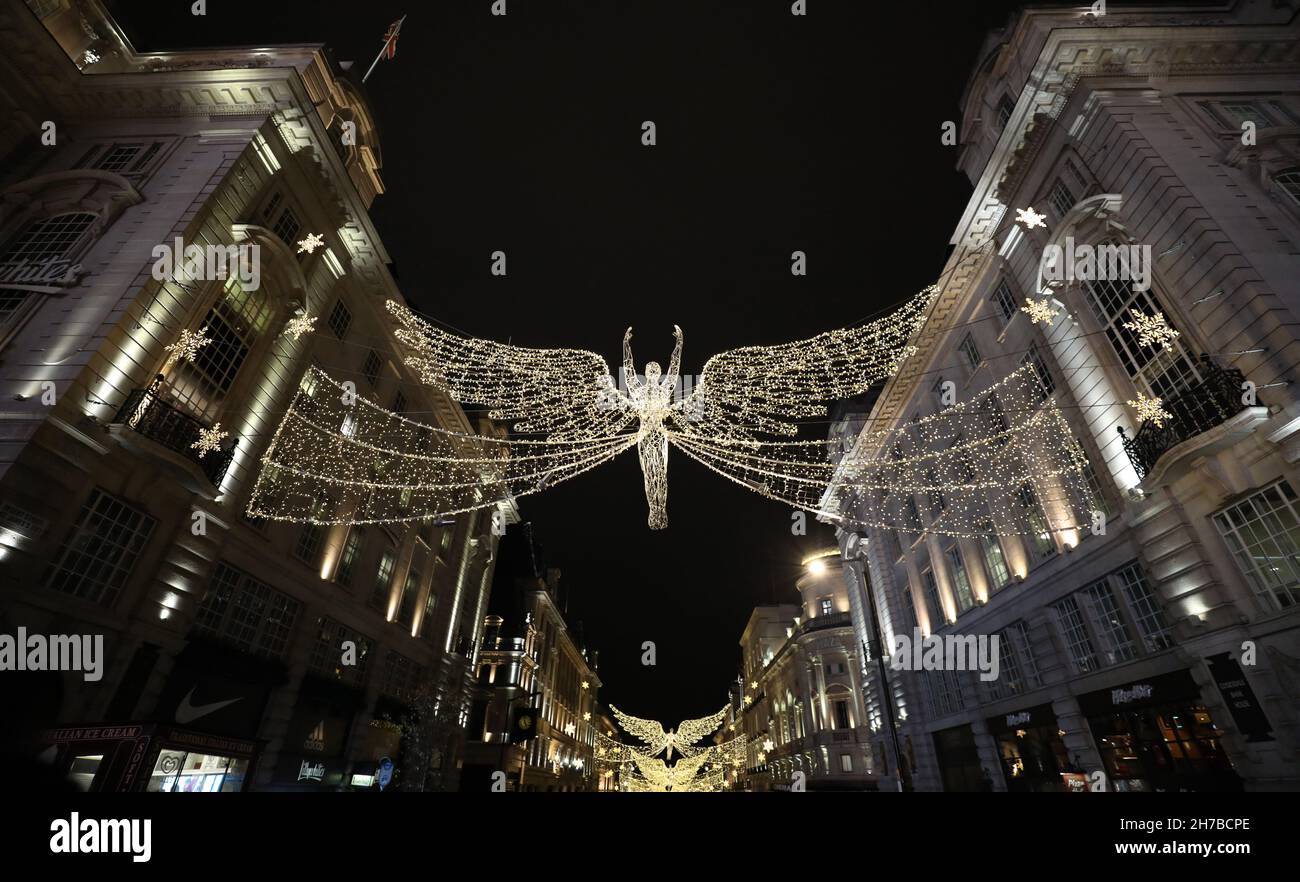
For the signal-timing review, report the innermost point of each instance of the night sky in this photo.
(775, 133)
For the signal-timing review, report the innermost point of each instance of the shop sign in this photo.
(1130, 694)
(1139, 694)
(1030, 717)
(49, 277)
(1239, 697)
(312, 772)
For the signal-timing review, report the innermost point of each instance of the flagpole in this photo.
(397, 30)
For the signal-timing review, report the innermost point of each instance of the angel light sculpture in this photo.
(1003, 460)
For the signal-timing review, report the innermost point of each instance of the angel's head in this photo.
(653, 372)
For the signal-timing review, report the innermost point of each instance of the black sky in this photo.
(775, 133)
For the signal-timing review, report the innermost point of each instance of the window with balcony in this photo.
(825, 606)
(1263, 533)
(1154, 369)
(234, 325)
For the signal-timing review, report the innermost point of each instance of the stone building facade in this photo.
(240, 653)
(1164, 653)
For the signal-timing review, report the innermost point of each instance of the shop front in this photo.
(1156, 734)
(152, 757)
(959, 761)
(201, 736)
(1032, 754)
(313, 753)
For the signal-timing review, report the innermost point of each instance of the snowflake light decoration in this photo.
(187, 347)
(209, 440)
(1150, 410)
(1030, 218)
(311, 243)
(1152, 330)
(1040, 312)
(299, 325)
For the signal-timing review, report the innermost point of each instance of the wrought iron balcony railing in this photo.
(146, 411)
(1199, 408)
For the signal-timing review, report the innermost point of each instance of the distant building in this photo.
(801, 696)
(533, 664)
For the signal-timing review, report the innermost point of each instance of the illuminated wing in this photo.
(648, 732)
(339, 458)
(1003, 461)
(764, 389)
(691, 731)
(562, 393)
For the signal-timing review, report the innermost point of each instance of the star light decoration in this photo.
(299, 325)
(209, 440)
(1002, 460)
(1040, 312)
(311, 243)
(1150, 410)
(1152, 330)
(1030, 218)
(187, 347)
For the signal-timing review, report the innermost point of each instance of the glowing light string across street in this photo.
(1002, 461)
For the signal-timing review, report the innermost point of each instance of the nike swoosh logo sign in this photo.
(188, 713)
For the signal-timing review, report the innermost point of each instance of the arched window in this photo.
(1154, 369)
(37, 242)
(234, 325)
(1288, 181)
